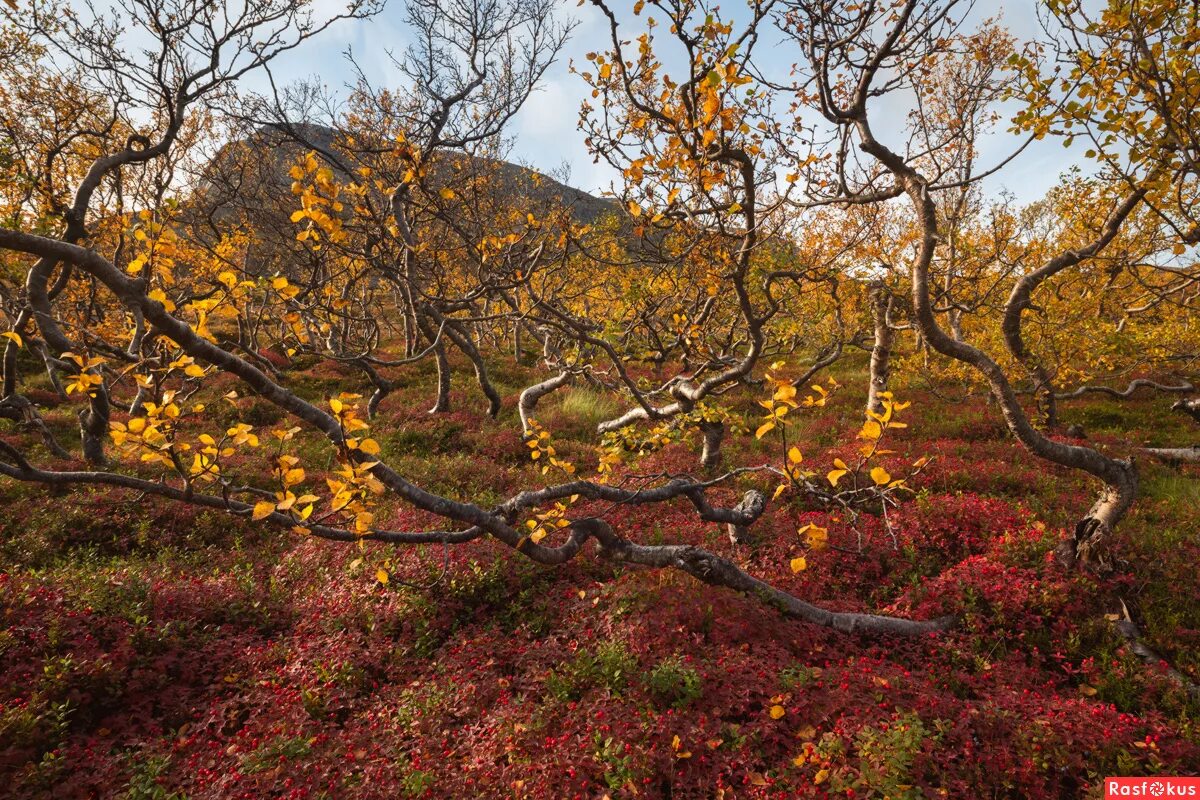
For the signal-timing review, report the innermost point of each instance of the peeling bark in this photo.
(1086, 545)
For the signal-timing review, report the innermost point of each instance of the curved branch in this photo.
(1128, 391)
(497, 523)
(532, 394)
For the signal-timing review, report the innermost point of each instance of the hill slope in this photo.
(227, 176)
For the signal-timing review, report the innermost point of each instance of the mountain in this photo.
(254, 169)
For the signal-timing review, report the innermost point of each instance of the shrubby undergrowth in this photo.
(148, 650)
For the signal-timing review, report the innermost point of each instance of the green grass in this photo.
(587, 408)
(1180, 492)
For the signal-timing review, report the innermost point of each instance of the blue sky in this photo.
(546, 134)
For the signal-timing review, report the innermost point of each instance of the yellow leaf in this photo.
(677, 746)
(446, 193)
(777, 712)
(818, 537)
(15, 337)
(880, 476)
(1087, 691)
(785, 392)
(263, 509)
(764, 429)
(821, 777)
(871, 430)
(780, 489)
(794, 455)
(835, 475)
(369, 446)
(799, 564)
(382, 576)
(635, 209)
(160, 296)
